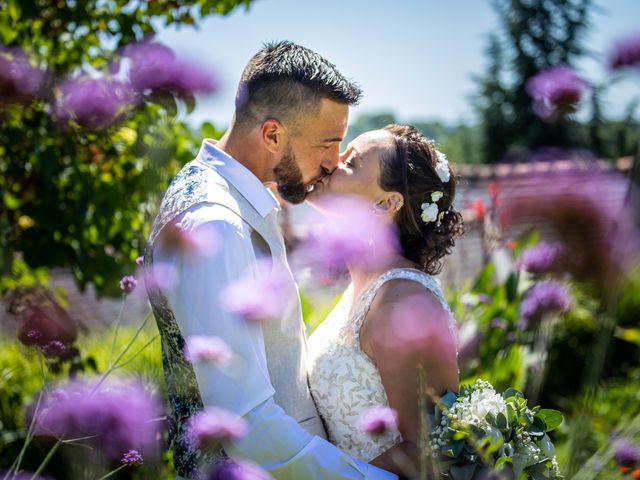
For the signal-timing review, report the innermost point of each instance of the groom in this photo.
(291, 115)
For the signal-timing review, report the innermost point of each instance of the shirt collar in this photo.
(249, 186)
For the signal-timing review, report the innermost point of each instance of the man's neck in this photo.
(244, 148)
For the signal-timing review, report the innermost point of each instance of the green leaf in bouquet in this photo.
(501, 421)
(453, 449)
(460, 435)
(512, 415)
(476, 432)
(502, 461)
(448, 399)
(547, 447)
(512, 392)
(519, 463)
(495, 440)
(537, 427)
(462, 472)
(552, 418)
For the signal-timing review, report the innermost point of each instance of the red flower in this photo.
(480, 208)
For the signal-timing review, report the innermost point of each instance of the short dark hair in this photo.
(284, 80)
(410, 170)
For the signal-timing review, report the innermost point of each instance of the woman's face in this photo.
(358, 172)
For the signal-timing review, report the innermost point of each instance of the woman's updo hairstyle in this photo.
(410, 170)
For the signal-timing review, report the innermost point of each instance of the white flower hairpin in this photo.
(442, 168)
(430, 209)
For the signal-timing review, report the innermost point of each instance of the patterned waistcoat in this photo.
(285, 342)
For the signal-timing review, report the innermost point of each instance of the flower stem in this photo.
(46, 459)
(115, 333)
(112, 472)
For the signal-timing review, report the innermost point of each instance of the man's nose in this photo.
(331, 160)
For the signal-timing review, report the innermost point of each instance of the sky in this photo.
(416, 59)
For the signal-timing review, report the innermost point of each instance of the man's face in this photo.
(314, 152)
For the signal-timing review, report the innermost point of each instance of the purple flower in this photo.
(120, 416)
(627, 453)
(239, 470)
(132, 458)
(212, 425)
(625, 53)
(140, 261)
(19, 80)
(155, 67)
(94, 103)
(500, 323)
(555, 92)
(351, 234)
(378, 420)
(128, 284)
(261, 294)
(543, 258)
(54, 348)
(208, 349)
(544, 298)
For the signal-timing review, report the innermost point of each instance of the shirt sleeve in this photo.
(274, 440)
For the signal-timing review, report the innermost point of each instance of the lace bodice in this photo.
(343, 379)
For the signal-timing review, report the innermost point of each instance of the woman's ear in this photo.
(390, 204)
(273, 135)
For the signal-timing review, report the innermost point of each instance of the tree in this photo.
(535, 35)
(84, 155)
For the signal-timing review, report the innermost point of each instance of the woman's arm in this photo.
(407, 330)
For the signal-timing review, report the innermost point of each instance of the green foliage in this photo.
(72, 197)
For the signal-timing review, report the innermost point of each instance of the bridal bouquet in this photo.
(479, 430)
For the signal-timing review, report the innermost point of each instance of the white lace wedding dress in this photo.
(344, 381)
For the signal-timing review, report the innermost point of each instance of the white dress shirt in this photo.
(275, 440)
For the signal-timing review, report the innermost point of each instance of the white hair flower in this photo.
(429, 212)
(435, 196)
(442, 168)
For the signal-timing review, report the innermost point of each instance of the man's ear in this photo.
(273, 135)
(390, 203)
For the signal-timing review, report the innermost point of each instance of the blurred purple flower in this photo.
(260, 294)
(54, 348)
(202, 240)
(120, 417)
(208, 349)
(351, 234)
(544, 298)
(212, 425)
(140, 261)
(627, 453)
(155, 67)
(19, 80)
(378, 420)
(585, 209)
(128, 284)
(239, 470)
(543, 258)
(625, 53)
(94, 103)
(132, 458)
(555, 92)
(160, 275)
(500, 323)
(40, 318)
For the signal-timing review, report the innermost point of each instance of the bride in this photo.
(392, 323)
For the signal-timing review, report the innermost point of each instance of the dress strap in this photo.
(362, 304)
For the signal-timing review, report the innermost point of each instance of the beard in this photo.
(289, 179)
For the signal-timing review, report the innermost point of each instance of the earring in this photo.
(399, 205)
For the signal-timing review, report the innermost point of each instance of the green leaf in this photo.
(551, 418)
(537, 427)
(547, 447)
(448, 399)
(512, 392)
(453, 449)
(511, 286)
(502, 461)
(519, 464)
(462, 472)
(501, 421)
